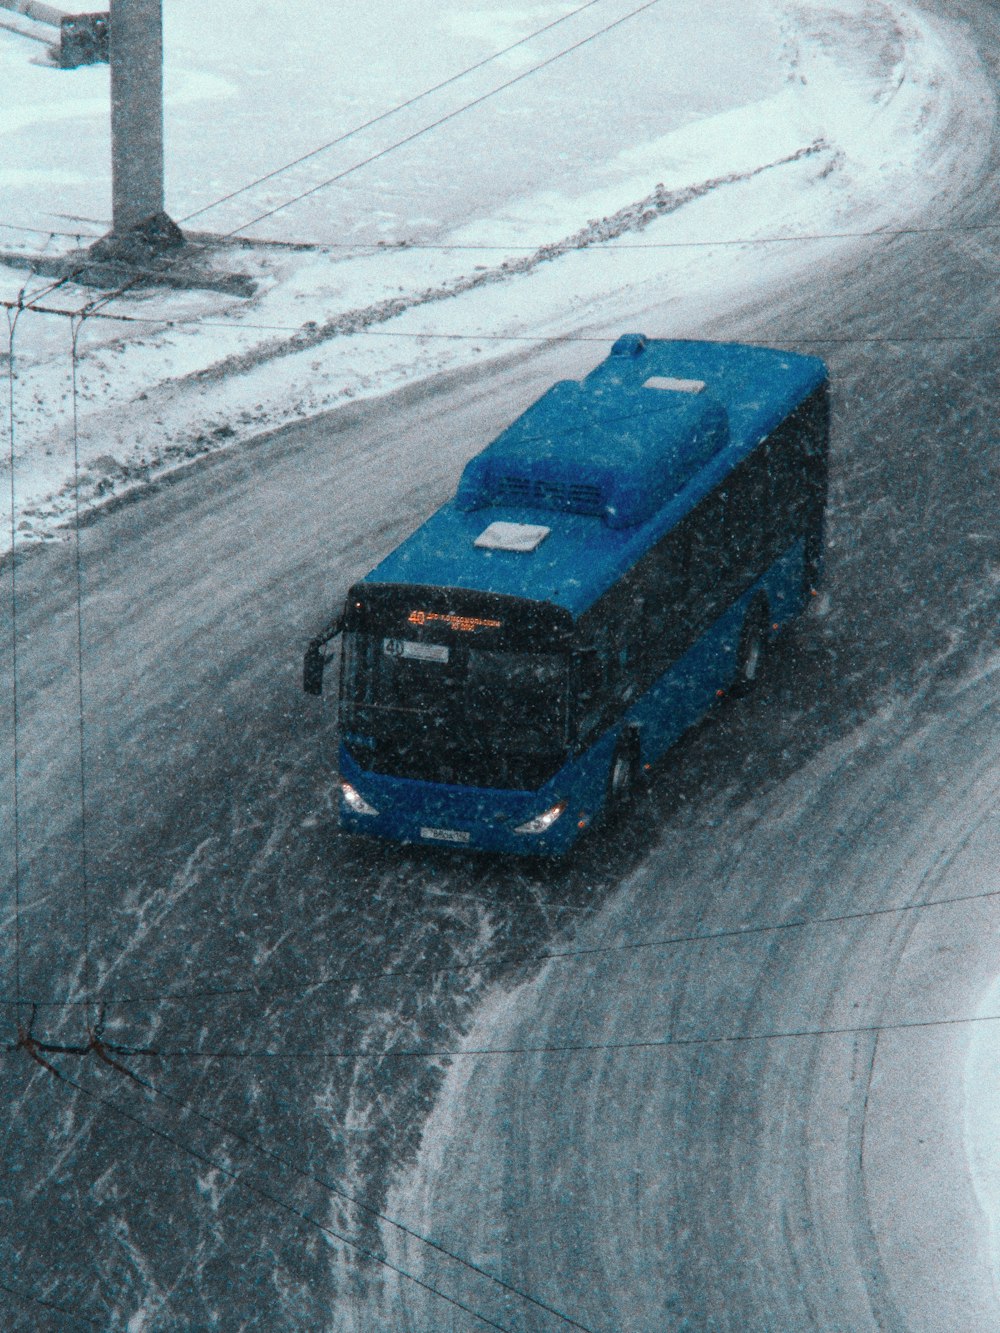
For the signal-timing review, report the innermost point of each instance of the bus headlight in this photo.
(543, 821)
(354, 800)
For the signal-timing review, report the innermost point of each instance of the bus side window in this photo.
(815, 437)
(666, 599)
(786, 467)
(746, 521)
(634, 644)
(709, 563)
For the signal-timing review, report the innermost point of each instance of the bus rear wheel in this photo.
(623, 774)
(752, 652)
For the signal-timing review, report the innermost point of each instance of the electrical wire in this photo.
(446, 247)
(13, 314)
(240, 1179)
(51, 287)
(551, 339)
(567, 1048)
(11, 325)
(75, 328)
(339, 1192)
(603, 247)
(443, 120)
(889, 233)
(532, 960)
(402, 106)
(48, 231)
(30, 1299)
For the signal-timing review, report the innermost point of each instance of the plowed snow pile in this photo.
(611, 160)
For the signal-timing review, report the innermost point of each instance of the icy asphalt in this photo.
(817, 1181)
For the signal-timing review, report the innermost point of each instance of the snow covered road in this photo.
(276, 985)
(738, 1100)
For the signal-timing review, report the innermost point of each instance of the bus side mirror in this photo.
(315, 659)
(312, 669)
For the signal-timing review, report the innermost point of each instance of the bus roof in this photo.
(584, 480)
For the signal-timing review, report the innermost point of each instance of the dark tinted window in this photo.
(449, 712)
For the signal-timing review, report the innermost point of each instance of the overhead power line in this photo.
(552, 339)
(443, 120)
(13, 314)
(339, 1192)
(601, 245)
(570, 1048)
(29, 1299)
(610, 248)
(703, 243)
(300, 1214)
(747, 931)
(49, 231)
(75, 327)
(393, 111)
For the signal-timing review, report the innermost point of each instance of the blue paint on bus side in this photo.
(628, 445)
(609, 466)
(675, 702)
(693, 684)
(685, 692)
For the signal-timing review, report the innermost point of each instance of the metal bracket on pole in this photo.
(84, 39)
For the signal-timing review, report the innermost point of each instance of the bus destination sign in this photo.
(464, 624)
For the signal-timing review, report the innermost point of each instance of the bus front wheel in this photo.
(752, 652)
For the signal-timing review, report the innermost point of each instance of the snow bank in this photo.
(578, 200)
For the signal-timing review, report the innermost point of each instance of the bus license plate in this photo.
(445, 834)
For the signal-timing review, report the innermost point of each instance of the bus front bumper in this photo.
(521, 823)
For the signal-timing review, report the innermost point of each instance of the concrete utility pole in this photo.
(136, 114)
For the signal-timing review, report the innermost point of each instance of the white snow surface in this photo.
(661, 164)
(931, 1122)
(982, 1082)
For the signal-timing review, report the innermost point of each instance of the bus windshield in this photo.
(453, 712)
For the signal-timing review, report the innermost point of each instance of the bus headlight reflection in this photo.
(543, 821)
(355, 801)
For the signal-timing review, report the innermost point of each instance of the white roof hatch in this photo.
(501, 536)
(669, 382)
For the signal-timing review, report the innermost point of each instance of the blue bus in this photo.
(614, 562)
